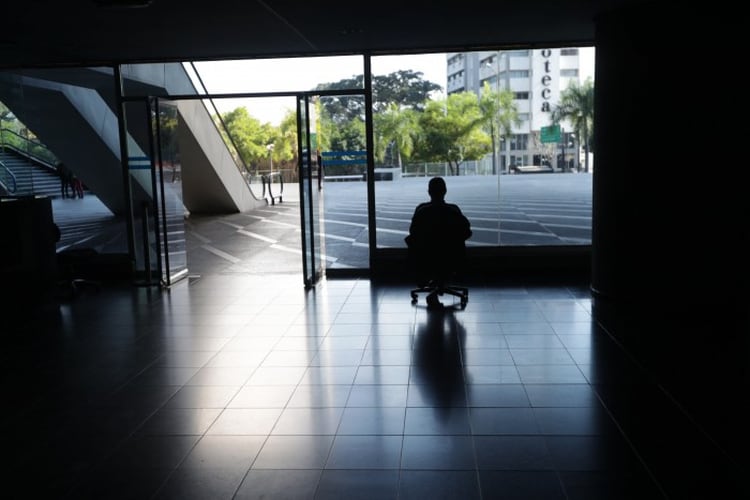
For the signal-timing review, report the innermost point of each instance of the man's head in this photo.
(436, 188)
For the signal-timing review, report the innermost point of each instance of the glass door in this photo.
(309, 190)
(142, 188)
(168, 192)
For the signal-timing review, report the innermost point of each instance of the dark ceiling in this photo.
(90, 32)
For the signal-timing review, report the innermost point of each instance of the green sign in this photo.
(551, 133)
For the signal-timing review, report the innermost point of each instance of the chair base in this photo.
(457, 291)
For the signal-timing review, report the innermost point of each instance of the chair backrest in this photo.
(437, 245)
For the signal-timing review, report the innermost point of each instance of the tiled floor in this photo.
(246, 386)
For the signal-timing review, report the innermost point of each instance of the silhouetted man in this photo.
(437, 238)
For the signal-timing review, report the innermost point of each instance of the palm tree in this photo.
(577, 107)
(501, 113)
(396, 128)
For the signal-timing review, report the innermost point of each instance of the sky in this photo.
(299, 74)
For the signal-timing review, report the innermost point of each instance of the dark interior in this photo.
(667, 272)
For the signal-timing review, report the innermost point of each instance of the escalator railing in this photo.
(28, 147)
(273, 187)
(8, 181)
(22, 176)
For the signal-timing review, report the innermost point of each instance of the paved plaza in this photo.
(515, 210)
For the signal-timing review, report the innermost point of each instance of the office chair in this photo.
(435, 268)
(72, 272)
(442, 289)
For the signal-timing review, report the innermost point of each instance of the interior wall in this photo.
(670, 229)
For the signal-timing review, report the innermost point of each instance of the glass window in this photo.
(279, 75)
(480, 179)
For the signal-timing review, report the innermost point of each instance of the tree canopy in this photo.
(407, 88)
(451, 131)
(250, 136)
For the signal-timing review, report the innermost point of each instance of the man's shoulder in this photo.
(422, 207)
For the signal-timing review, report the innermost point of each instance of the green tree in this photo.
(250, 136)
(395, 130)
(407, 88)
(577, 107)
(168, 120)
(451, 131)
(501, 115)
(6, 115)
(340, 131)
(285, 151)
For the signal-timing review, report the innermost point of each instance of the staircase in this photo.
(32, 178)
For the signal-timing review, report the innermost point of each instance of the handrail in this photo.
(32, 149)
(268, 180)
(244, 169)
(12, 178)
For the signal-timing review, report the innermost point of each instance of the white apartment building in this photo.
(536, 77)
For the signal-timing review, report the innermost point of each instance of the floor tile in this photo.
(282, 483)
(236, 386)
(447, 485)
(294, 452)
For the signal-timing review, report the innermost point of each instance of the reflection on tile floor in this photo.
(246, 386)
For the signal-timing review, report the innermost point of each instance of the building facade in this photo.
(536, 77)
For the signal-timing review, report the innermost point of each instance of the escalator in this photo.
(74, 112)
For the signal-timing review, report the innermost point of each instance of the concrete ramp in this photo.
(211, 181)
(78, 122)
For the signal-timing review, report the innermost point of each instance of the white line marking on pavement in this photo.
(331, 221)
(271, 221)
(335, 237)
(236, 226)
(257, 236)
(223, 255)
(299, 252)
(286, 249)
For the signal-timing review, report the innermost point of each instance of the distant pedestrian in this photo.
(65, 175)
(77, 186)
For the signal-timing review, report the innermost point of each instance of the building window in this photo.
(456, 76)
(521, 96)
(519, 142)
(491, 81)
(518, 53)
(456, 59)
(568, 72)
(524, 117)
(520, 73)
(569, 52)
(487, 61)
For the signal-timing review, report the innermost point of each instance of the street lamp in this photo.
(492, 122)
(269, 147)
